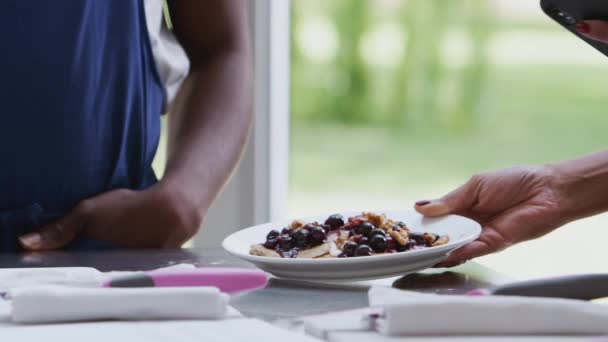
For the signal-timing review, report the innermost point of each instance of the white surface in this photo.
(11, 278)
(461, 231)
(326, 325)
(410, 313)
(232, 330)
(257, 191)
(50, 304)
(375, 337)
(347, 327)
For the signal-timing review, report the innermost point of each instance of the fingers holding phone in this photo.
(594, 29)
(586, 18)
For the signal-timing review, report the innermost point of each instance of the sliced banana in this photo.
(260, 250)
(314, 252)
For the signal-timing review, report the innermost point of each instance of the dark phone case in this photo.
(580, 10)
(584, 286)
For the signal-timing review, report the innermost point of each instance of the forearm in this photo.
(582, 184)
(208, 128)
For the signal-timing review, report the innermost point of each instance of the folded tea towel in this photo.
(51, 304)
(410, 313)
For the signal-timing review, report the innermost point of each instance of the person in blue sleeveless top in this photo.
(81, 104)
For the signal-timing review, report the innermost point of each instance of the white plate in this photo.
(461, 231)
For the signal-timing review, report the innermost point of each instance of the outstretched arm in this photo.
(524, 203)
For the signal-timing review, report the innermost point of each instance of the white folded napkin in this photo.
(13, 278)
(410, 313)
(50, 304)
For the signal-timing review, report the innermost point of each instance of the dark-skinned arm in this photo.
(208, 129)
(209, 123)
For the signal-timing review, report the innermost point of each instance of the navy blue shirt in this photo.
(80, 102)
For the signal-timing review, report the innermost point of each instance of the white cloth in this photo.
(50, 304)
(172, 62)
(410, 313)
(346, 327)
(12, 278)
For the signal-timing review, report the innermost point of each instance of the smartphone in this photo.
(569, 12)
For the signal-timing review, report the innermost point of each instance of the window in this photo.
(395, 101)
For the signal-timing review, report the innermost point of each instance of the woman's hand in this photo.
(594, 29)
(512, 205)
(152, 218)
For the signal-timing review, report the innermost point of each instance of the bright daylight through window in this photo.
(395, 101)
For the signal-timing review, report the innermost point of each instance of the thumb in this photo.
(489, 242)
(593, 29)
(59, 233)
(498, 235)
(457, 201)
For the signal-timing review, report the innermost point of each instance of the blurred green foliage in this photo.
(418, 90)
(434, 115)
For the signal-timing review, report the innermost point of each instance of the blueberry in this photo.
(301, 237)
(326, 228)
(349, 248)
(310, 226)
(273, 235)
(271, 243)
(335, 221)
(396, 228)
(378, 244)
(363, 250)
(401, 248)
(364, 228)
(318, 235)
(285, 242)
(391, 244)
(293, 233)
(376, 231)
(364, 241)
(401, 224)
(418, 237)
(285, 230)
